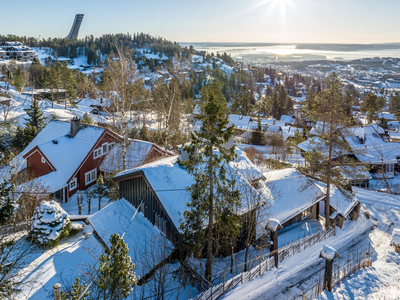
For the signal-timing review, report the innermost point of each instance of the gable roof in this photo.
(169, 181)
(342, 201)
(64, 153)
(136, 154)
(291, 193)
(373, 150)
(321, 145)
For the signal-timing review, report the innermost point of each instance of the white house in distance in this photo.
(16, 50)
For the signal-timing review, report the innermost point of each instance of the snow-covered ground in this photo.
(381, 281)
(72, 257)
(294, 270)
(301, 271)
(21, 102)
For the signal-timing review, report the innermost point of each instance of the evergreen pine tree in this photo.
(35, 121)
(214, 198)
(87, 119)
(19, 81)
(7, 205)
(257, 136)
(19, 140)
(77, 292)
(116, 271)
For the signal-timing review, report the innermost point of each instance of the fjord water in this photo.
(247, 51)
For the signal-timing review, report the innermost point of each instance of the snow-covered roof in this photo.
(320, 128)
(395, 240)
(136, 154)
(242, 122)
(288, 119)
(355, 173)
(386, 116)
(273, 128)
(169, 180)
(248, 170)
(291, 193)
(198, 110)
(320, 145)
(373, 150)
(340, 200)
(393, 124)
(94, 102)
(394, 135)
(378, 128)
(272, 122)
(121, 217)
(289, 131)
(66, 154)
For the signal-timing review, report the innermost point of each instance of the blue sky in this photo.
(316, 21)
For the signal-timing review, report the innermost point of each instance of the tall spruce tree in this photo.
(7, 204)
(331, 110)
(35, 121)
(257, 136)
(117, 277)
(214, 197)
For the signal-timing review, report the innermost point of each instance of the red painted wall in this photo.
(36, 167)
(91, 163)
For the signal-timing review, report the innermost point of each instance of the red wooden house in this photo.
(66, 157)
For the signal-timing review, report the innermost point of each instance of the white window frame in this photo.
(92, 176)
(43, 160)
(389, 168)
(102, 148)
(110, 146)
(96, 152)
(71, 188)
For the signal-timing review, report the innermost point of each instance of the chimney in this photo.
(75, 126)
(183, 155)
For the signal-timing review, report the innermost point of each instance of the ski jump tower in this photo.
(75, 27)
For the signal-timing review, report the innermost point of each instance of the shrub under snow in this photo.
(50, 223)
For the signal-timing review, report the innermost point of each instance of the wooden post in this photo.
(241, 277)
(304, 295)
(57, 291)
(260, 266)
(189, 294)
(274, 226)
(287, 290)
(223, 285)
(311, 294)
(329, 254)
(232, 262)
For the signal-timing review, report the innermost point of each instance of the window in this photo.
(97, 153)
(43, 160)
(306, 212)
(72, 184)
(110, 146)
(105, 148)
(90, 176)
(389, 168)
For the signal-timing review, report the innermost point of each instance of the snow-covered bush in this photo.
(50, 223)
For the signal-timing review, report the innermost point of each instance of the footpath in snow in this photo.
(296, 269)
(381, 281)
